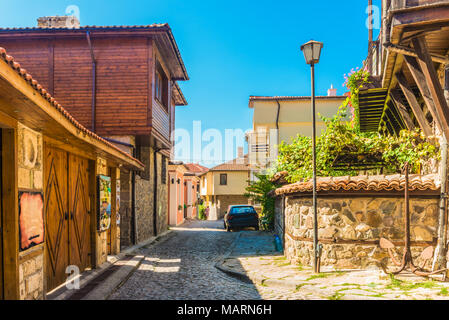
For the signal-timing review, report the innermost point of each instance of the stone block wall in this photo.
(350, 227)
(31, 261)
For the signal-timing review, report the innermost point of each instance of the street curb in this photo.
(255, 279)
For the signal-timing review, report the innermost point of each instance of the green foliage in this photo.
(343, 138)
(202, 212)
(258, 191)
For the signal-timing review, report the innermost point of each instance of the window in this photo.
(161, 87)
(223, 179)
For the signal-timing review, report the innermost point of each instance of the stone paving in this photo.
(181, 266)
(296, 281)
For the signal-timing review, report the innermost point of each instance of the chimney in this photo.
(332, 92)
(240, 152)
(58, 22)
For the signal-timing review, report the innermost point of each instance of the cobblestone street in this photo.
(181, 266)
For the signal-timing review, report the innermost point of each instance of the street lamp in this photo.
(312, 52)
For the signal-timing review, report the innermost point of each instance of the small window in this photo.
(223, 179)
(161, 87)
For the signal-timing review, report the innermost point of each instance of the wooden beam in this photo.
(421, 83)
(430, 74)
(409, 52)
(413, 103)
(10, 214)
(402, 110)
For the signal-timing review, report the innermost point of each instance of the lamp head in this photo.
(312, 51)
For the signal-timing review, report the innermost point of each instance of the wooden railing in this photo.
(404, 4)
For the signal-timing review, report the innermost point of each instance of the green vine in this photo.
(342, 139)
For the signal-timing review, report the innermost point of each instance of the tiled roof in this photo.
(36, 86)
(365, 183)
(149, 26)
(255, 98)
(196, 168)
(238, 164)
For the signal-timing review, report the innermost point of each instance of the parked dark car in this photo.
(241, 216)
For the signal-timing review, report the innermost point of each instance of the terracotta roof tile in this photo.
(33, 83)
(196, 168)
(365, 183)
(238, 164)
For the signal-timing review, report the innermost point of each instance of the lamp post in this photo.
(312, 52)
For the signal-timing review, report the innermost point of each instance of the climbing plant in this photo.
(342, 141)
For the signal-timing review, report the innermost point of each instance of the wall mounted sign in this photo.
(31, 219)
(104, 203)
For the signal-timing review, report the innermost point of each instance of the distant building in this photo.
(183, 191)
(225, 185)
(282, 118)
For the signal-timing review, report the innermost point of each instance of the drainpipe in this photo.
(440, 252)
(277, 122)
(94, 80)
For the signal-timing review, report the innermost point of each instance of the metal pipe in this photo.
(155, 192)
(119, 142)
(94, 81)
(277, 122)
(316, 264)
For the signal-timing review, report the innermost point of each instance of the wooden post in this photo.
(410, 96)
(10, 214)
(113, 233)
(93, 210)
(431, 77)
(402, 110)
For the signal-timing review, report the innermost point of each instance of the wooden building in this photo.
(121, 83)
(50, 212)
(409, 65)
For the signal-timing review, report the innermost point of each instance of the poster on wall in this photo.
(118, 203)
(31, 219)
(104, 203)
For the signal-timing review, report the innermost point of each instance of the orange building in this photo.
(183, 191)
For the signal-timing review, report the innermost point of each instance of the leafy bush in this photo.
(202, 212)
(343, 139)
(258, 191)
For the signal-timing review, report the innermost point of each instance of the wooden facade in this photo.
(408, 64)
(111, 89)
(46, 153)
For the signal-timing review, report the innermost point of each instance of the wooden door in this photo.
(79, 224)
(56, 216)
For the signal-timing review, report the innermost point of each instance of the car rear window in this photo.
(242, 210)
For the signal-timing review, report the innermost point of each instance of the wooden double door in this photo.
(67, 214)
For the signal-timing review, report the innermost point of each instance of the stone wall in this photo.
(125, 209)
(349, 227)
(224, 201)
(30, 177)
(145, 196)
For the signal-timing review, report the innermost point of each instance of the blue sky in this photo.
(232, 49)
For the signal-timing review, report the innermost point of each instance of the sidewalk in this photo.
(100, 283)
(266, 268)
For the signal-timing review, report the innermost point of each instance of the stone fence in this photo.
(353, 217)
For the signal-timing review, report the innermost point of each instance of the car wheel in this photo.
(228, 229)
